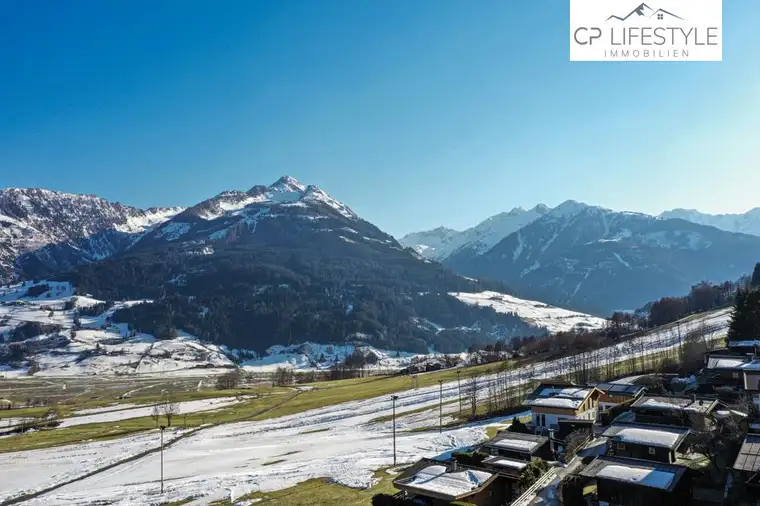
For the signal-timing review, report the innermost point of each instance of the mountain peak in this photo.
(569, 208)
(289, 184)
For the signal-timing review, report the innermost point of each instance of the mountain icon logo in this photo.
(645, 11)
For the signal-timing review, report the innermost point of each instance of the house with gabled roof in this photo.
(614, 394)
(553, 401)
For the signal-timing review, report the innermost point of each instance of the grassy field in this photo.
(94, 392)
(108, 430)
(321, 492)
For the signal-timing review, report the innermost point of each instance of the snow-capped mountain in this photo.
(746, 223)
(435, 244)
(598, 260)
(43, 231)
(441, 243)
(286, 263)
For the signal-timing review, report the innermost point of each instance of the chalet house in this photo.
(436, 483)
(553, 401)
(514, 445)
(647, 442)
(633, 482)
(746, 468)
(677, 411)
(614, 394)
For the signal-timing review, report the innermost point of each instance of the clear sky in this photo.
(414, 113)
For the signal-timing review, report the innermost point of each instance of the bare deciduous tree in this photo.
(229, 380)
(166, 407)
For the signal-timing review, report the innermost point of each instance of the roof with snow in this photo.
(749, 454)
(446, 483)
(559, 395)
(512, 466)
(621, 389)
(683, 404)
(516, 442)
(649, 435)
(729, 362)
(635, 472)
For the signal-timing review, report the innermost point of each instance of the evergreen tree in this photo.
(745, 321)
(755, 282)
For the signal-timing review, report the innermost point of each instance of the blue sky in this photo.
(416, 114)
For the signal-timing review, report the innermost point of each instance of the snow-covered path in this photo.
(339, 442)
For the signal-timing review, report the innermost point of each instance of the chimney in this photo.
(454, 466)
(551, 441)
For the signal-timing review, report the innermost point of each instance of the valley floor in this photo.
(319, 433)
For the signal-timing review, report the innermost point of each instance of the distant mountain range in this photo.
(284, 263)
(278, 264)
(598, 260)
(746, 223)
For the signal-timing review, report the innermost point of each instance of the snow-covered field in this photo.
(554, 319)
(38, 469)
(340, 442)
(115, 415)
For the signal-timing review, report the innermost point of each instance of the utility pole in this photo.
(459, 386)
(393, 399)
(440, 406)
(162, 459)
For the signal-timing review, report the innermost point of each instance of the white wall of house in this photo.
(547, 420)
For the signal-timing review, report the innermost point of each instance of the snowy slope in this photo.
(314, 356)
(745, 223)
(552, 318)
(341, 442)
(98, 347)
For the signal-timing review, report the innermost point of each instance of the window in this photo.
(621, 446)
(651, 451)
(660, 16)
(543, 420)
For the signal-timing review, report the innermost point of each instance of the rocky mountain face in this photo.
(597, 260)
(745, 223)
(43, 231)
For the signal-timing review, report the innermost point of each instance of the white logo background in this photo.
(596, 33)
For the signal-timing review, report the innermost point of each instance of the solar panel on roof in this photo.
(619, 388)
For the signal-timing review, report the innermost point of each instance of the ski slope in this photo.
(340, 442)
